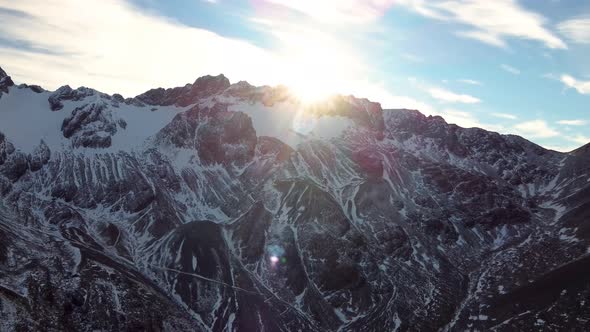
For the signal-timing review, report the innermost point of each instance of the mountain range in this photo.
(231, 207)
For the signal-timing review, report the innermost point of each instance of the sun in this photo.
(316, 67)
(312, 78)
(309, 92)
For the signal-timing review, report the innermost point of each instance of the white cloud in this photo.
(470, 82)
(463, 119)
(114, 47)
(535, 129)
(583, 87)
(338, 11)
(577, 30)
(484, 37)
(491, 22)
(378, 92)
(580, 139)
(451, 97)
(572, 122)
(510, 69)
(467, 120)
(505, 116)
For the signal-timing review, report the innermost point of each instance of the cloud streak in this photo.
(470, 82)
(338, 11)
(572, 122)
(576, 30)
(579, 139)
(535, 129)
(505, 116)
(510, 69)
(583, 87)
(451, 97)
(490, 22)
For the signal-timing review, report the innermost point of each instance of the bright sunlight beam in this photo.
(316, 66)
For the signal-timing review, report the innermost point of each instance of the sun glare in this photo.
(315, 66)
(312, 77)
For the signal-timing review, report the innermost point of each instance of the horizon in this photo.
(529, 78)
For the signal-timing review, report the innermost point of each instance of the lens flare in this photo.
(275, 255)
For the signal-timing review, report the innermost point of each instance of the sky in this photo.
(511, 66)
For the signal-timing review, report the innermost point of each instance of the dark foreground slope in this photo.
(179, 210)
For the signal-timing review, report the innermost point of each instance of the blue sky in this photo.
(511, 66)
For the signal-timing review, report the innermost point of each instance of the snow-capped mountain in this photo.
(229, 207)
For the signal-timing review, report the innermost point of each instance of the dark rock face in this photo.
(40, 156)
(91, 126)
(13, 164)
(404, 223)
(6, 148)
(34, 88)
(5, 82)
(217, 135)
(64, 93)
(16, 166)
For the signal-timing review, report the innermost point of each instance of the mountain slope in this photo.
(231, 207)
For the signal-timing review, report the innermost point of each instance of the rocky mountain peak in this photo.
(2, 73)
(203, 87)
(211, 84)
(5, 82)
(66, 93)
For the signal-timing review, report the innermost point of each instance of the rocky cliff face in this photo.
(218, 207)
(5, 82)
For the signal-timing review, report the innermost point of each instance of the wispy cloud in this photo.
(461, 118)
(510, 69)
(580, 139)
(576, 30)
(451, 97)
(491, 22)
(572, 122)
(338, 11)
(470, 82)
(110, 57)
(583, 87)
(484, 37)
(535, 129)
(505, 116)
(467, 120)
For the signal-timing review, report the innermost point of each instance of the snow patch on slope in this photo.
(27, 119)
(141, 124)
